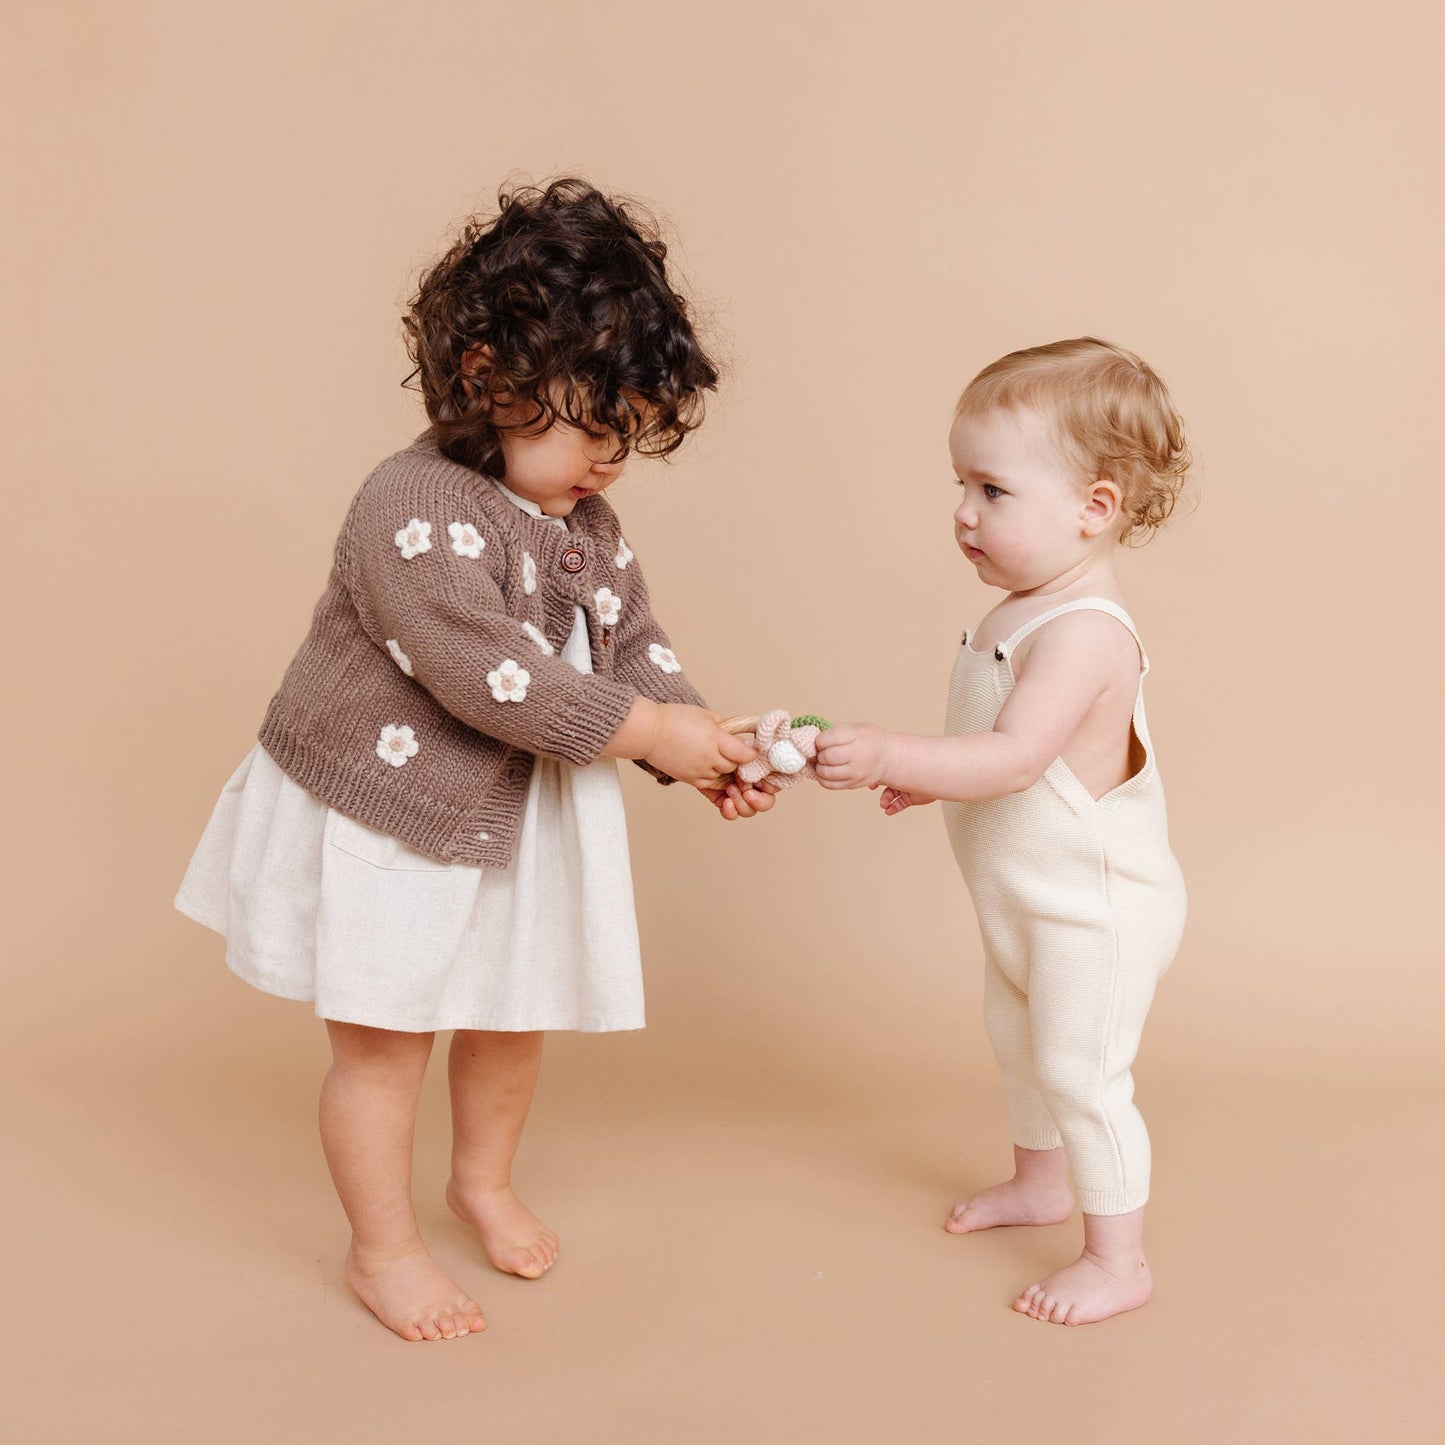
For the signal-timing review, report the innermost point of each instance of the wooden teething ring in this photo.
(739, 725)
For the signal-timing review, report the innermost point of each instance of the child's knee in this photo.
(359, 1051)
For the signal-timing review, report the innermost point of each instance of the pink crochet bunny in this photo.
(788, 747)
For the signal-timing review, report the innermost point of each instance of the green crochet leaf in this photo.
(812, 720)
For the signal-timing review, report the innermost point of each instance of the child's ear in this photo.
(1102, 506)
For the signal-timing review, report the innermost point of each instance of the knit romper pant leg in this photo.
(1086, 1017)
(1010, 1031)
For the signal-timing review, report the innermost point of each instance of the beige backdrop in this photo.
(217, 214)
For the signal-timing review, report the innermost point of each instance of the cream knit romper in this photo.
(1081, 905)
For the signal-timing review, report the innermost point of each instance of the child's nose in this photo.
(966, 516)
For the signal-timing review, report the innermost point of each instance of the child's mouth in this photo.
(972, 553)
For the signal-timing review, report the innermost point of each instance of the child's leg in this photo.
(493, 1076)
(1088, 1014)
(368, 1116)
(1038, 1193)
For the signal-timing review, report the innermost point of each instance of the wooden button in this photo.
(573, 559)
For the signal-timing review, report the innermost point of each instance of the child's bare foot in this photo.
(1015, 1201)
(515, 1240)
(1091, 1289)
(1037, 1194)
(411, 1294)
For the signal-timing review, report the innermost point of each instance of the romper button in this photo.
(998, 654)
(573, 560)
(963, 641)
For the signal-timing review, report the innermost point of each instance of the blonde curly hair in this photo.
(1112, 415)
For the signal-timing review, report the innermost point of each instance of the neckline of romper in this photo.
(1058, 774)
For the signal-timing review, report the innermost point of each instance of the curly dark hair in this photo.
(567, 291)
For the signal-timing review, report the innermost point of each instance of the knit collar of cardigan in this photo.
(498, 503)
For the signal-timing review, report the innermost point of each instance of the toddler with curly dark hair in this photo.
(430, 834)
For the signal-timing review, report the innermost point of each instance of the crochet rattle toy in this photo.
(787, 746)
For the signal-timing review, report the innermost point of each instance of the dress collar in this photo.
(528, 505)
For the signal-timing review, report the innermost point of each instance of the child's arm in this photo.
(447, 617)
(646, 660)
(1067, 670)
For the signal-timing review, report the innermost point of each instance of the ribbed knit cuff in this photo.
(579, 732)
(1113, 1201)
(1041, 1137)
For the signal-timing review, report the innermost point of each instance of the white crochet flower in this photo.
(786, 758)
(539, 637)
(414, 538)
(397, 745)
(664, 657)
(398, 656)
(529, 573)
(509, 682)
(466, 540)
(624, 554)
(609, 606)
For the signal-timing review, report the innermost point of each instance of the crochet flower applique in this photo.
(509, 682)
(539, 637)
(414, 539)
(398, 656)
(397, 745)
(529, 573)
(788, 747)
(664, 657)
(466, 540)
(609, 606)
(624, 554)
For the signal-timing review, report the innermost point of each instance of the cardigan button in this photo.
(573, 559)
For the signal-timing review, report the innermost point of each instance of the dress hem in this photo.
(595, 1026)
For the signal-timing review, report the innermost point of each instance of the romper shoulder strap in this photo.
(1079, 604)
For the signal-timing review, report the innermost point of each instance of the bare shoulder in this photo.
(1087, 639)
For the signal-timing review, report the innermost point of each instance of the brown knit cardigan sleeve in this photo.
(644, 656)
(449, 616)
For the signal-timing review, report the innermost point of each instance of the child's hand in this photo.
(895, 800)
(737, 801)
(854, 755)
(691, 747)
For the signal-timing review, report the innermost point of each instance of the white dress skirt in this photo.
(314, 905)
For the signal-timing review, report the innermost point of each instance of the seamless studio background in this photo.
(219, 215)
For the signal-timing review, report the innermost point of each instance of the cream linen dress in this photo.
(313, 905)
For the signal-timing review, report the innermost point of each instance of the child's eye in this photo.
(992, 492)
